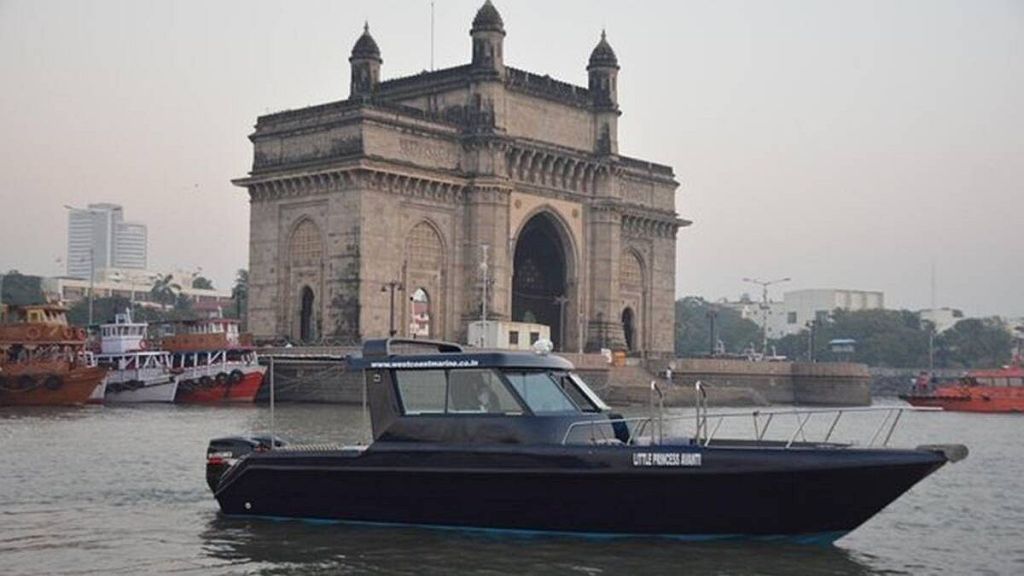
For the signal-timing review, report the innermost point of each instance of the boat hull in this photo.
(162, 391)
(597, 490)
(222, 389)
(31, 388)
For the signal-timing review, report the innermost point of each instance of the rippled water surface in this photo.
(112, 490)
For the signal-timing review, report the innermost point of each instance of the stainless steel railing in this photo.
(761, 420)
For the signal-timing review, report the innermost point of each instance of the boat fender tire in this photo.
(69, 333)
(26, 383)
(236, 376)
(32, 333)
(53, 382)
(187, 385)
(206, 382)
(80, 333)
(222, 378)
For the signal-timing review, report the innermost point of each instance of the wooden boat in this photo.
(213, 362)
(43, 360)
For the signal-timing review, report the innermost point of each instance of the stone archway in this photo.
(307, 328)
(629, 328)
(541, 270)
(305, 281)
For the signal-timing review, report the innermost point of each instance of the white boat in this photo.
(136, 374)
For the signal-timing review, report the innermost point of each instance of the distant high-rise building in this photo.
(98, 237)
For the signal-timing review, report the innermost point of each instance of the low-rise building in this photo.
(134, 285)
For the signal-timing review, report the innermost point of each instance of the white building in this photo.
(134, 285)
(99, 238)
(799, 307)
(803, 306)
(506, 335)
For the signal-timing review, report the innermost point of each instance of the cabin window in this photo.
(422, 391)
(540, 392)
(573, 392)
(455, 392)
(479, 391)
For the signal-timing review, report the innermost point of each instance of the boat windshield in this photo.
(551, 392)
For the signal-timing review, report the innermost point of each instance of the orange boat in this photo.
(43, 360)
(999, 390)
(213, 362)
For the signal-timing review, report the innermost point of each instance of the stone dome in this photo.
(603, 55)
(488, 18)
(366, 47)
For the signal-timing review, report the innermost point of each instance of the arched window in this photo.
(307, 246)
(419, 327)
(629, 328)
(425, 249)
(631, 274)
(307, 328)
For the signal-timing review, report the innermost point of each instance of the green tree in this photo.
(240, 294)
(103, 310)
(20, 289)
(165, 291)
(693, 331)
(975, 343)
(894, 338)
(202, 283)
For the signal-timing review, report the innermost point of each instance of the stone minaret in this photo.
(365, 61)
(488, 34)
(603, 70)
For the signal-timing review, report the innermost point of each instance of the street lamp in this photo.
(392, 286)
(764, 284)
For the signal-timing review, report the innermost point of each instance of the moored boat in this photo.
(999, 390)
(213, 362)
(137, 373)
(517, 441)
(43, 360)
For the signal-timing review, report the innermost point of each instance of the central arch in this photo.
(540, 275)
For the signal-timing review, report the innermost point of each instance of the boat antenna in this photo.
(431, 35)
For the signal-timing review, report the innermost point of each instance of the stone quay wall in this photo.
(825, 383)
(321, 375)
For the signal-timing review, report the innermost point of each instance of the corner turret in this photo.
(365, 61)
(603, 71)
(488, 33)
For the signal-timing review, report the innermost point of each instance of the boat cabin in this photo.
(51, 314)
(204, 334)
(437, 392)
(123, 335)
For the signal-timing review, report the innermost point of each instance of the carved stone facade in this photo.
(408, 179)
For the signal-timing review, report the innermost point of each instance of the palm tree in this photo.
(165, 291)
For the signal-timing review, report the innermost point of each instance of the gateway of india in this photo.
(420, 202)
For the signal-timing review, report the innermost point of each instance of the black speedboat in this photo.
(517, 441)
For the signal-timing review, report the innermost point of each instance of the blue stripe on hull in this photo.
(813, 539)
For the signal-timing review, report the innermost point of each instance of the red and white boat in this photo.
(136, 373)
(213, 362)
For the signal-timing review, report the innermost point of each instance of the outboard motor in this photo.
(223, 453)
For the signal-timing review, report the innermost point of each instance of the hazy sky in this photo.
(843, 144)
